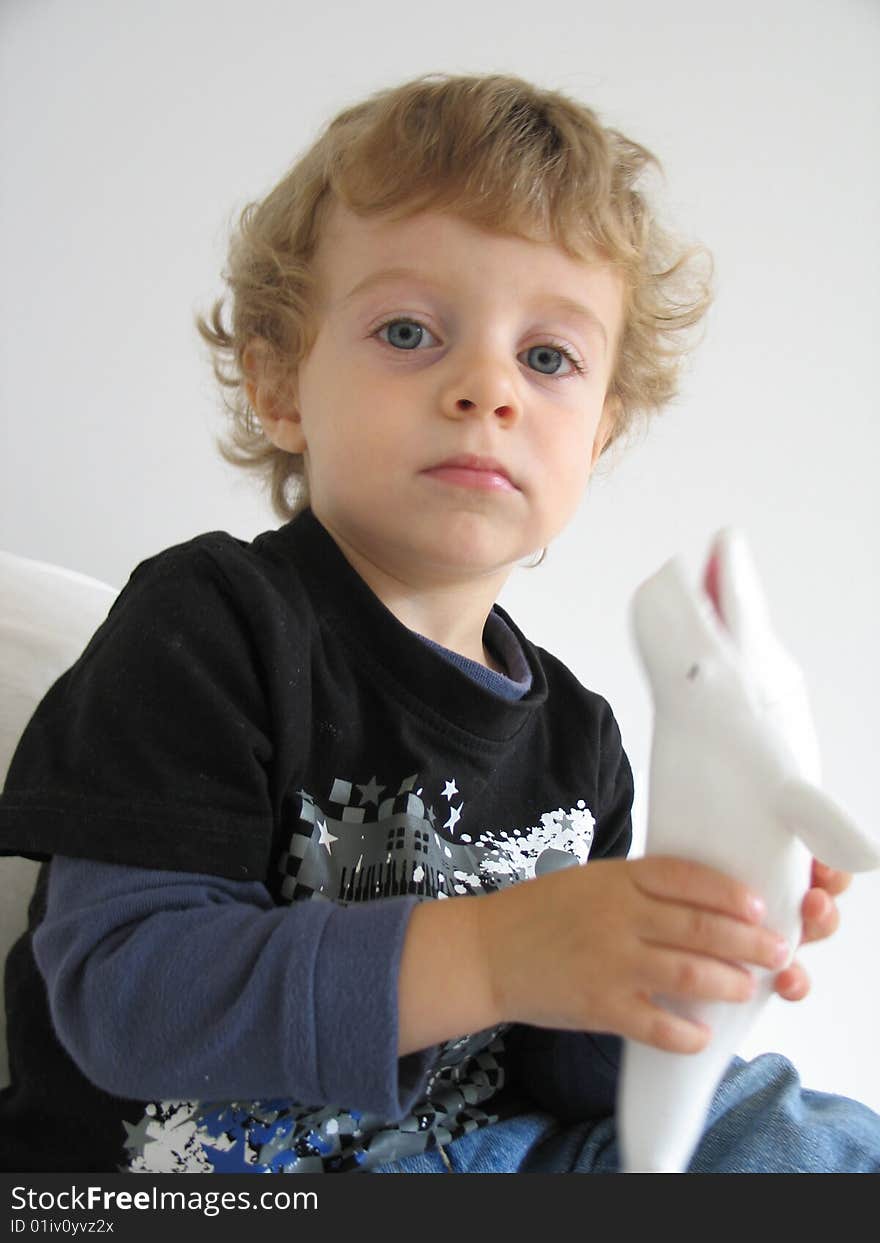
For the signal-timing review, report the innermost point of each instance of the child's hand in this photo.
(588, 947)
(820, 918)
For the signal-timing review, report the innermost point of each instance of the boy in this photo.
(271, 754)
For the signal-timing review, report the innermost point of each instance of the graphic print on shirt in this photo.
(341, 851)
(358, 842)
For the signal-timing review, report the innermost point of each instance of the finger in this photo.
(793, 983)
(680, 880)
(695, 977)
(820, 916)
(830, 879)
(649, 1023)
(690, 928)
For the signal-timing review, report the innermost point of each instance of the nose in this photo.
(482, 383)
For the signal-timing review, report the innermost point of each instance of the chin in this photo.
(474, 556)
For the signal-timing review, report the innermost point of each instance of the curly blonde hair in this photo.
(500, 153)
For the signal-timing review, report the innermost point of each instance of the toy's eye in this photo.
(693, 672)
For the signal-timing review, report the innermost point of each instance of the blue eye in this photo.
(547, 354)
(405, 334)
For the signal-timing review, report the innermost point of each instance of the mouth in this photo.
(468, 470)
(712, 584)
(733, 589)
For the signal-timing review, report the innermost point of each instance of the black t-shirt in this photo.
(253, 711)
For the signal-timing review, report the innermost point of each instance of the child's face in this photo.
(472, 367)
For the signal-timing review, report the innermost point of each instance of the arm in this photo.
(300, 1002)
(588, 949)
(618, 932)
(167, 985)
(642, 927)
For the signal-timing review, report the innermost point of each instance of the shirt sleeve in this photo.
(166, 985)
(153, 748)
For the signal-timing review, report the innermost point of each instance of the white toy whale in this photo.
(734, 784)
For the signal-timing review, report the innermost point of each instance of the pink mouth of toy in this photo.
(712, 585)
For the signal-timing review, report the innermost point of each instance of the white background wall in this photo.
(132, 134)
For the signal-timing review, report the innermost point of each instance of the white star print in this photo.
(451, 789)
(326, 837)
(454, 815)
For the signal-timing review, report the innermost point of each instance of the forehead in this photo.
(359, 251)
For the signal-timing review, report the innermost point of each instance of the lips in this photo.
(474, 470)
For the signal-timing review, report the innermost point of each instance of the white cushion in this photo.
(47, 617)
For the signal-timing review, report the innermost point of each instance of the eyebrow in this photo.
(550, 303)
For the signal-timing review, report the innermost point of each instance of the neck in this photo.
(451, 611)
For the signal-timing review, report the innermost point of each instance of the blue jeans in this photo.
(761, 1121)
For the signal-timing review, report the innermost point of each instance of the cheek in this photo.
(572, 483)
(570, 448)
(571, 477)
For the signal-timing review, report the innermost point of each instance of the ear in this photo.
(272, 393)
(607, 423)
